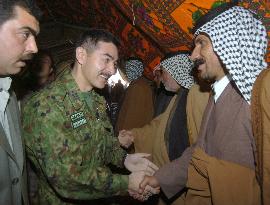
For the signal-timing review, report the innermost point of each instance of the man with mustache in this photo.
(166, 136)
(68, 135)
(230, 46)
(18, 29)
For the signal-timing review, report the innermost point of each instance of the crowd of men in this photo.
(202, 148)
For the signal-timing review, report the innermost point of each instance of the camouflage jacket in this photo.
(70, 141)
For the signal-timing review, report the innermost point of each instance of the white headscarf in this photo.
(240, 41)
(179, 66)
(134, 69)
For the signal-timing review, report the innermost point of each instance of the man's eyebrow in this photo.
(197, 40)
(107, 54)
(32, 31)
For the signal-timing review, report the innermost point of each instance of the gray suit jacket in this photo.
(13, 181)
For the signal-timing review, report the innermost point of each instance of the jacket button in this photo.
(15, 181)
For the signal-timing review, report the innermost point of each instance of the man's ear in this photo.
(81, 55)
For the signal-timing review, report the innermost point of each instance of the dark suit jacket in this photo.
(13, 183)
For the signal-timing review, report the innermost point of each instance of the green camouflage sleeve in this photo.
(116, 154)
(72, 174)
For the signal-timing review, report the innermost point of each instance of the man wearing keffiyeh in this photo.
(134, 68)
(230, 45)
(166, 136)
(137, 106)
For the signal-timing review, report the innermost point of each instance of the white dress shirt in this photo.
(219, 86)
(4, 98)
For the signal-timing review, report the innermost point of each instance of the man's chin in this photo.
(16, 70)
(100, 86)
(207, 78)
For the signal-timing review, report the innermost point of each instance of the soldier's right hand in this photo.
(125, 138)
(149, 184)
(136, 191)
(134, 180)
(148, 191)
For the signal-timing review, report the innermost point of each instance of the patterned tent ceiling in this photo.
(146, 28)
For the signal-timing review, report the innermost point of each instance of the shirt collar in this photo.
(5, 83)
(4, 94)
(219, 86)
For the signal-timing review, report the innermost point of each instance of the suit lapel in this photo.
(206, 116)
(227, 112)
(15, 130)
(5, 144)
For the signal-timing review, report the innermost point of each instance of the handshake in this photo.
(142, 184)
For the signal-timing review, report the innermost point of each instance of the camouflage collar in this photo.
(72, 89)
(75, 95)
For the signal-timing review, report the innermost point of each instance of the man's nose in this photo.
(31, 46)
(112, 68)
(195, 54)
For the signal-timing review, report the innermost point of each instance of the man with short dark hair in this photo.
(18, 29)
(230, 45)
(68, 135)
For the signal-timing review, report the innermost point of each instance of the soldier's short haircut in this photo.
(90, 38)
(7, 9)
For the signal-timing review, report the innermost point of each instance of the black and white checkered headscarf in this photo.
(134, 69)
(179, 66)
(240, 40)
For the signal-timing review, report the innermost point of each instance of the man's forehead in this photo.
(162, 69)
(107, 49)
(201, 36)
(26, 19)
(105, 44)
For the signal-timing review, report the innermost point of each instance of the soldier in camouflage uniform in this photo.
(68, 135)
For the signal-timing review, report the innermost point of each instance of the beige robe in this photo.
(260, 103)
(137, 108)
(209, 182)
(196, 103)
(150, 139)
